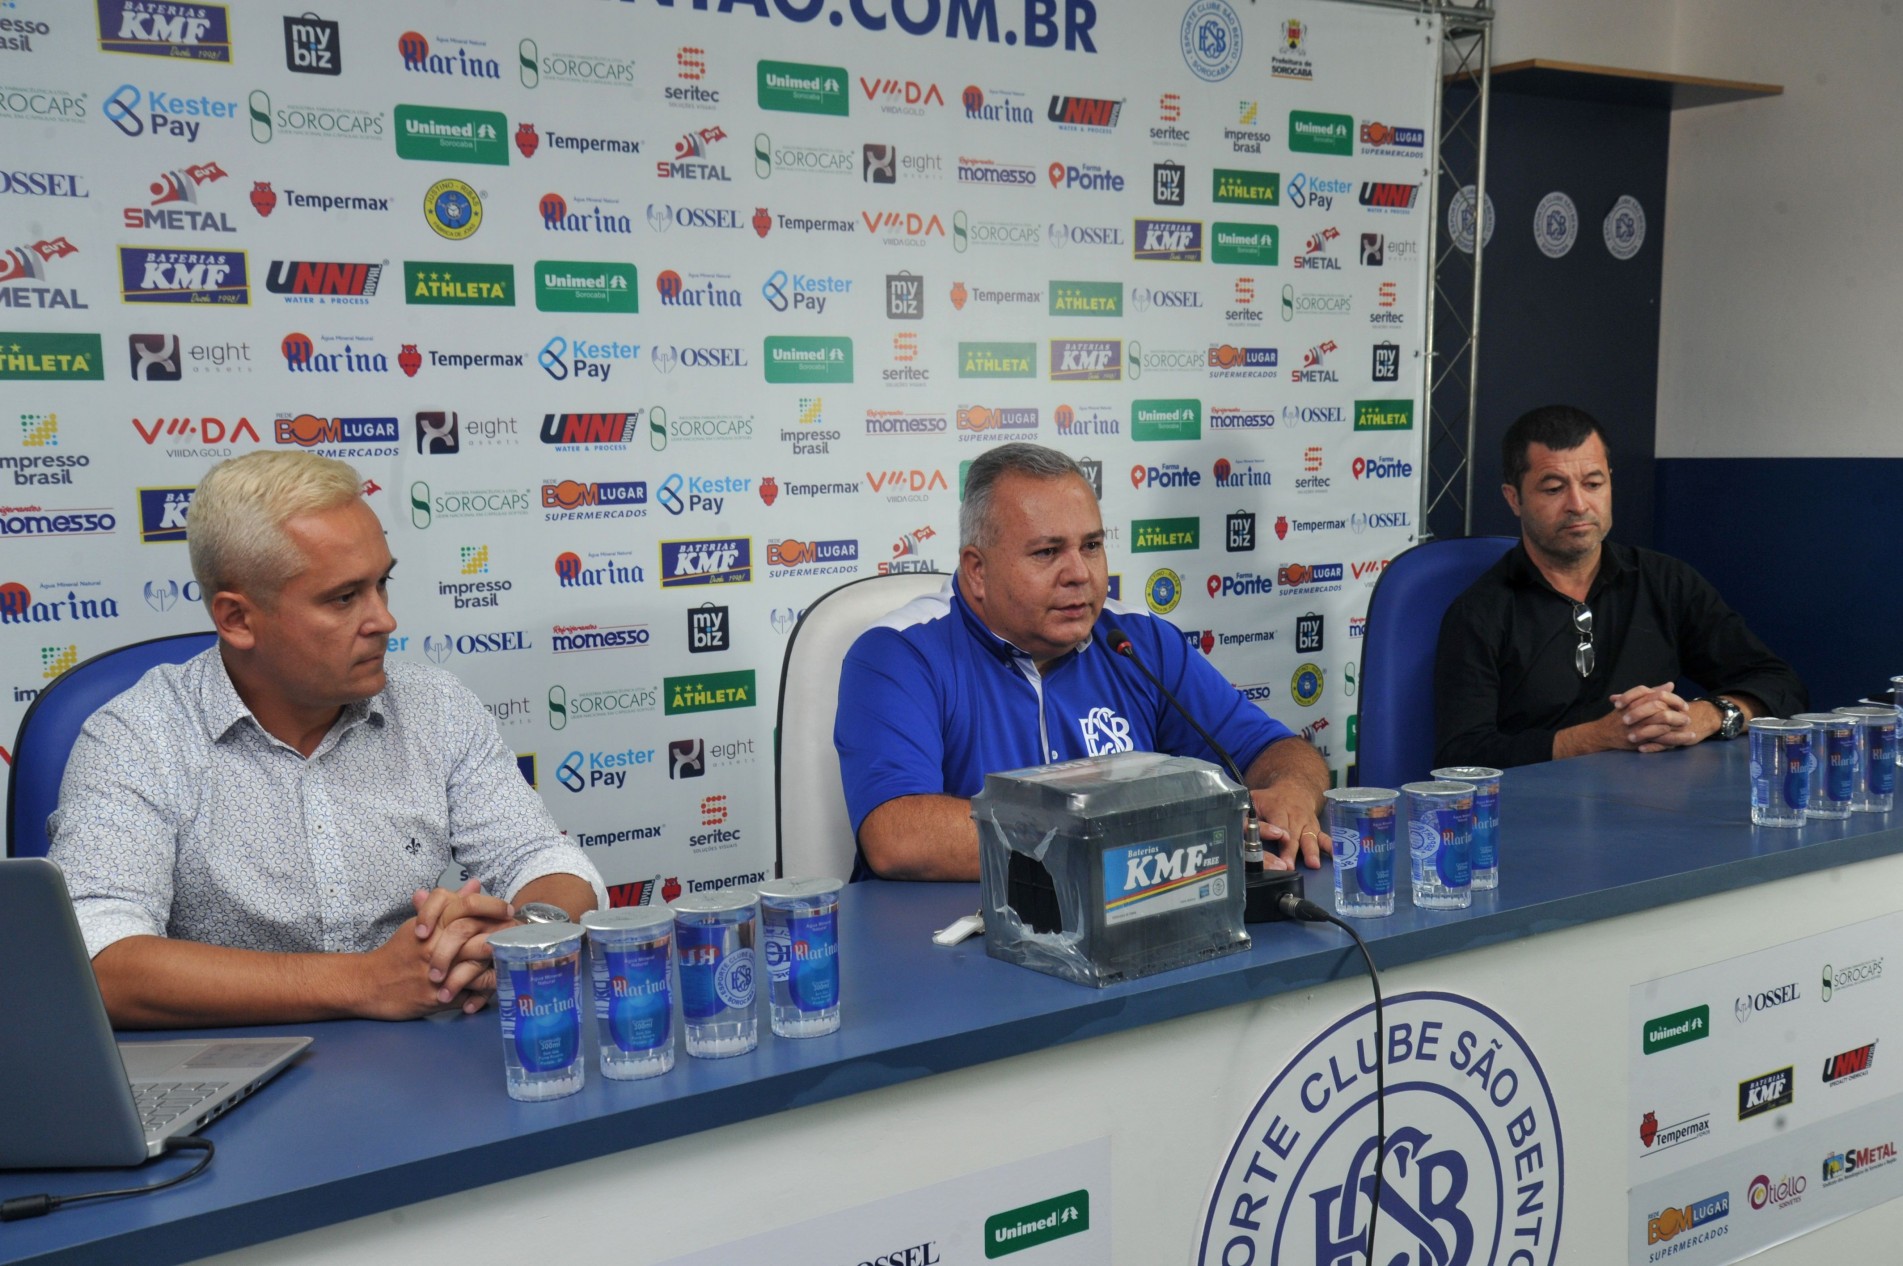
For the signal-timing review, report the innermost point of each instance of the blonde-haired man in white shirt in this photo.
(253, 836)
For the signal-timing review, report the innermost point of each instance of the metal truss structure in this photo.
(1453, 330)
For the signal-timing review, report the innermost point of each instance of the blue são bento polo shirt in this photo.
(930, 701)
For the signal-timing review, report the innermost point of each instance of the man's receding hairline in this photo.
(994, 509)
(1060, 477)
(1606, 457)
(1032, 475)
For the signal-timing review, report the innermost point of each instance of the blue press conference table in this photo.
(379, 1116)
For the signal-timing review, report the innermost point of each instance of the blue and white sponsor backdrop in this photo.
(649, 323)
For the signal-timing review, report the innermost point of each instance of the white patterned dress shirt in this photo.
(180, 816)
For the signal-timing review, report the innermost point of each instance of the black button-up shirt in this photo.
(1504, 677)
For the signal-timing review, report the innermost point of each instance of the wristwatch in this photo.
(1730, 717)
(541, 912)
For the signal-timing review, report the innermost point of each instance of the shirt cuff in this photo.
(1780, 698)
(104, 920)
(1532, 747)
(564, 861)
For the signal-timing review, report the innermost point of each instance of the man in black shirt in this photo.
(1549, 654)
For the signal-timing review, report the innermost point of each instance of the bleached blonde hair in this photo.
(235, 527)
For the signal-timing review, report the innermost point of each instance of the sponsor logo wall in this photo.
(648, 325)
(1763, 1103)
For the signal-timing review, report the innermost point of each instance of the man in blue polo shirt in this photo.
(1009, 666)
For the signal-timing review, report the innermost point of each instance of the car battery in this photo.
(1111, 867)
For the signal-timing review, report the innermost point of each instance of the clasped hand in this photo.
(440, 958)
(1651, 719)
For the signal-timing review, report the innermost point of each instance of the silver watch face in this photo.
(541, 912)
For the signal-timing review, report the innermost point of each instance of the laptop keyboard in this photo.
(160, 1104)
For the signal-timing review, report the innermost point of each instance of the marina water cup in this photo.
(1486, 841)
(715, 935)
(1780, 771)
(1875, 786)
(631, 952)
(1360, 824)
(799, 931)
(1833, 748)
(1896, 701)
(538, 996)
(1440, 821)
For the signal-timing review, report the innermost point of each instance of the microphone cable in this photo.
(20, 1207)
(1302, 910)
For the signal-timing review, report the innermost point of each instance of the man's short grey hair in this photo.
(974, 517)
(235, 528)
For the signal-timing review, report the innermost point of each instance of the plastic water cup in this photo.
(538, 996)
(1360, 822)
(799, 931)
(1486, 838)
(1440, 820)
(1833, 749)
(1896, 697)
(630, 950)
(1780, 771)
(1874, 788)
(714, 938)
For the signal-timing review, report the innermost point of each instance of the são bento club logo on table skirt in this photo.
(1475, 1168)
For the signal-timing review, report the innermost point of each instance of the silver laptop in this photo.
(70, 1095)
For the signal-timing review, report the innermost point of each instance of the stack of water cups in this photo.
(538, 995)
(1833, 761)
(1486, 837)
(1875, 784)
(714, 936)
(801, 939)
(1361, 825)
(1781, 763)
(631, 950)
(1440, 838)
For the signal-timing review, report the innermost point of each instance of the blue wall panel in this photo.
(1823, 586)
(1582, 329)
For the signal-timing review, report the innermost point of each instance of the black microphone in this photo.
(1119, 643)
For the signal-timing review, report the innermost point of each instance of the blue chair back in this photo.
(52, 723)
(1395, 742)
